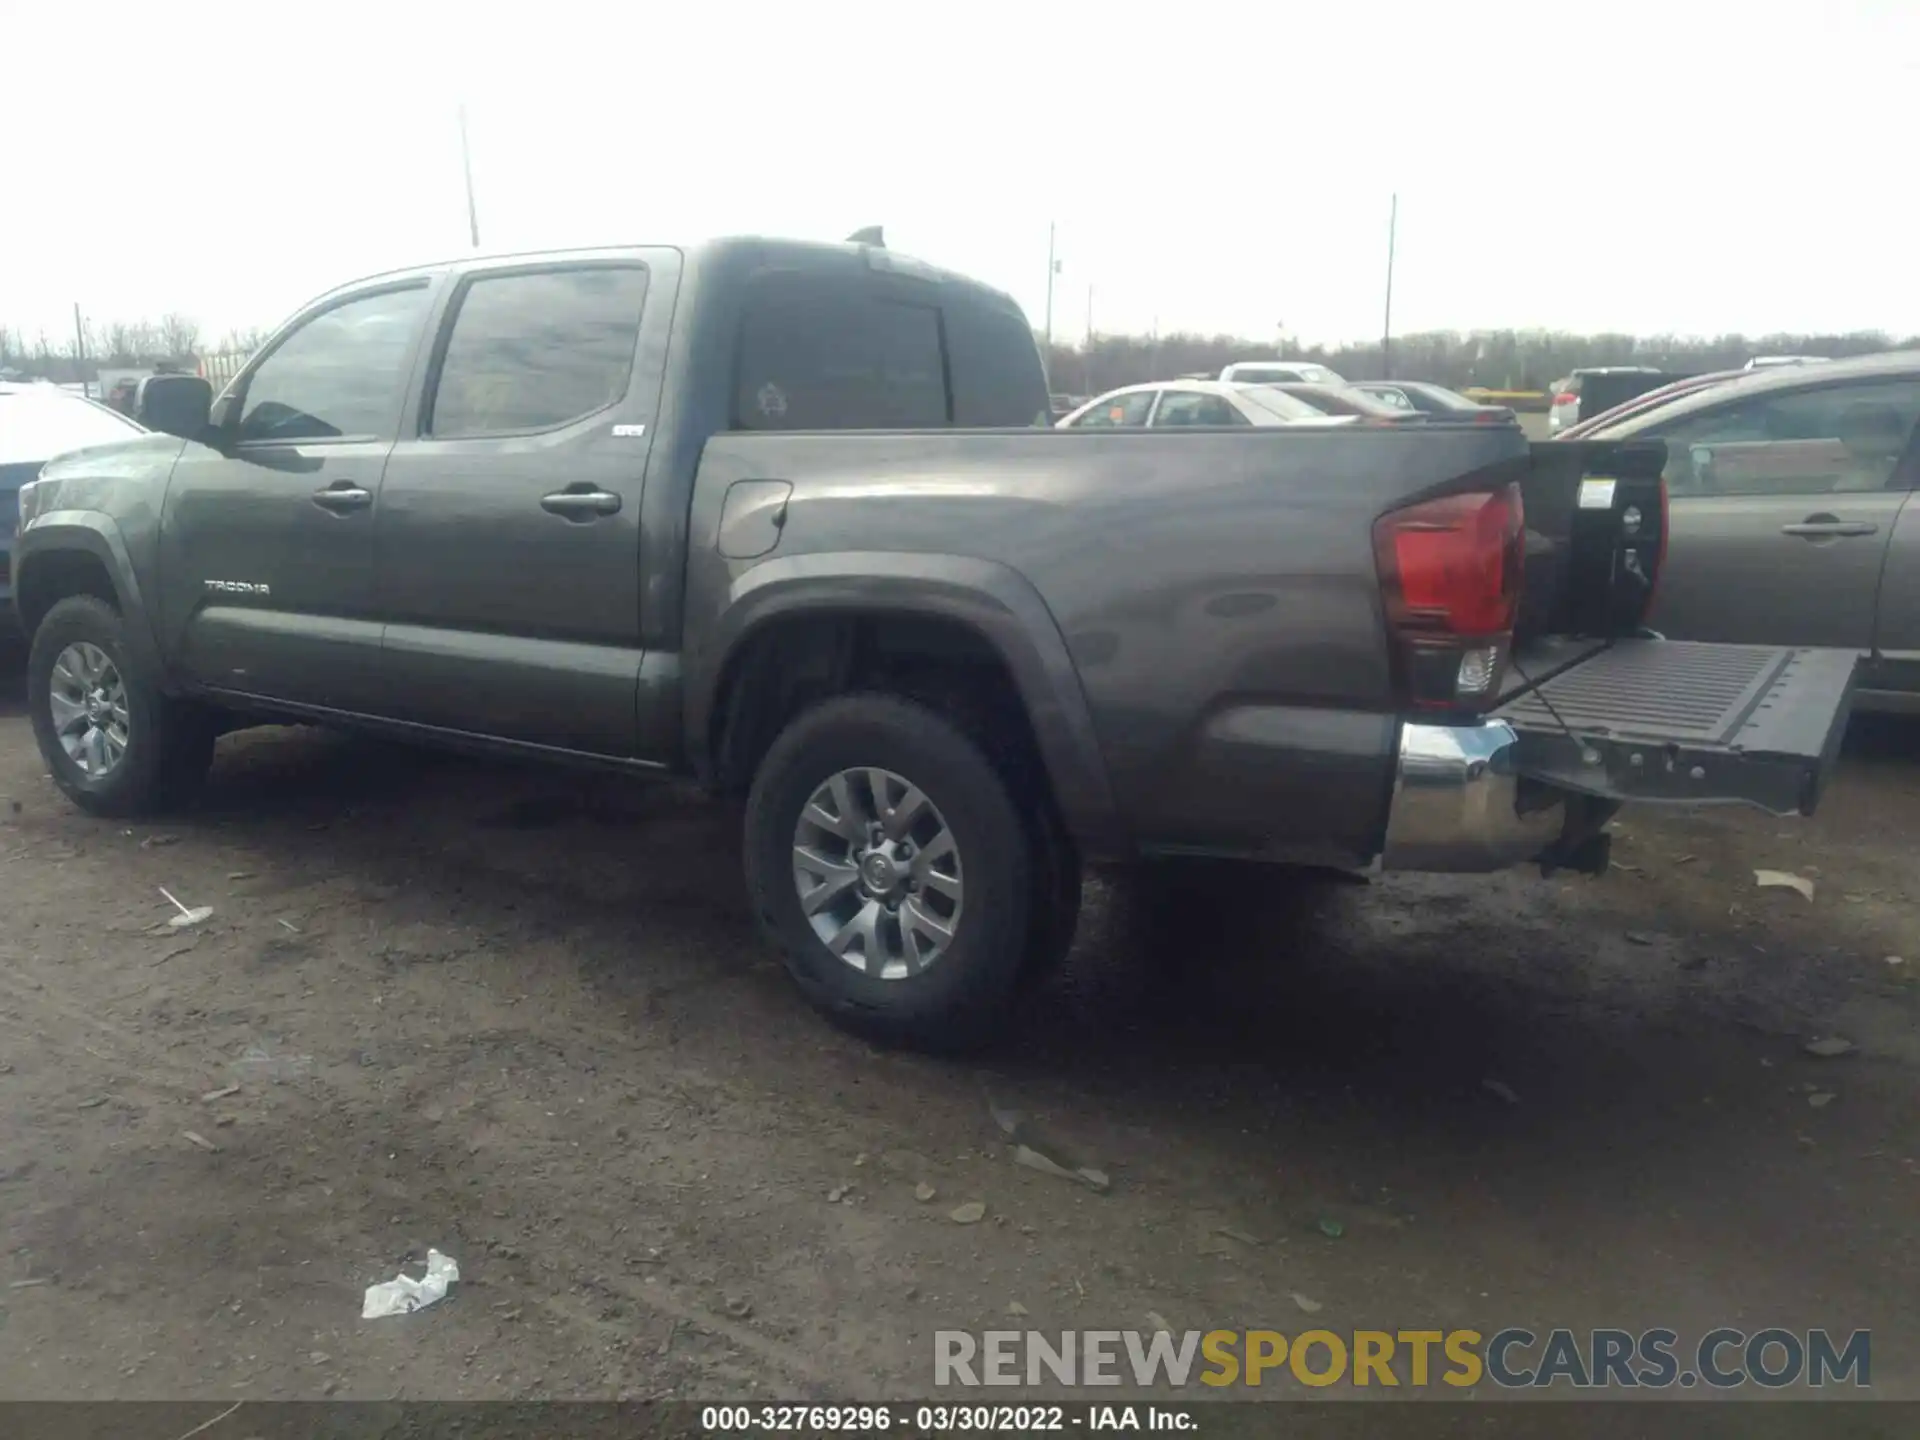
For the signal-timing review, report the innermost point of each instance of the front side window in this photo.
(1115, 411)
(827, 356)
(1193, 407)
(341, 374)
(533, 351)
(1834, 439)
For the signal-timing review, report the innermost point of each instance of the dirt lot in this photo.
(521, 1017)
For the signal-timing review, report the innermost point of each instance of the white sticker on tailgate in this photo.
(1597, 494)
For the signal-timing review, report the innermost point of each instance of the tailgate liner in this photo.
(1682, 721)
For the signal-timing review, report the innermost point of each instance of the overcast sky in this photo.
(1691, 166)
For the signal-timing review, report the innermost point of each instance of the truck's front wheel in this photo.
(112, 742)
(889, 862)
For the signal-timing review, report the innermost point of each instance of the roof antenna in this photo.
(871, 235)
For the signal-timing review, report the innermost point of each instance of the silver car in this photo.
(1163, 403)
(1791, 514)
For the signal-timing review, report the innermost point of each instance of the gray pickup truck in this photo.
(788, 517)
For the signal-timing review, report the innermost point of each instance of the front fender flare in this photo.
(993, 600)
(95, 533)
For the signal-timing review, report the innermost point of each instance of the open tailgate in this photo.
(1675, 720)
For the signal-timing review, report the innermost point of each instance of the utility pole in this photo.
(1089, 352)
(1154, 364)
(80, 350)
(466, 169)
(1053, 269)
(1386, 328)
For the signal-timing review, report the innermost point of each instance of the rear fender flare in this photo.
(993, 600)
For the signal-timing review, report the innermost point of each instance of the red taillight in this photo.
(1450, 572)
(1566, 397)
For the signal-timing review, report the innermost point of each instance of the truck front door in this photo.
(266, 549)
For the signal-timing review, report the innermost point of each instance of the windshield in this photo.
(41, 422)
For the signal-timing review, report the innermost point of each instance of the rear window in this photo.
(1278, 402)
(37, 425)
(820, 355)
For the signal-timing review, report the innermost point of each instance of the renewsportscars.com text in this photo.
(1513, 1358)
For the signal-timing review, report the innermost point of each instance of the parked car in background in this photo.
(38, 422)
(1165, 403)
(1275, 372)
(1767, 362)
(1618, 382)
(1347, 402)
(1435, 401)
(1791, 514)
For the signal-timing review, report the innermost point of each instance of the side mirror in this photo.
(174, 405)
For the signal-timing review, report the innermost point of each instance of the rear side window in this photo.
(532, 351)
(819, 355)
(995, 367)
(1396, 398)
(1191, 407)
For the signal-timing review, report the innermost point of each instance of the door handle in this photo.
(342, 498)
(580, 504)
(1831, 529)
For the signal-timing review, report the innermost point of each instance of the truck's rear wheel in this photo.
(888, 860)
(112, 742)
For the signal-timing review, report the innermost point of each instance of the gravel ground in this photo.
(520, 1016)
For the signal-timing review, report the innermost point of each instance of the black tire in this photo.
(169, 742)
(966, 994)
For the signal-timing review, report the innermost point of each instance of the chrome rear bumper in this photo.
(1456, 793)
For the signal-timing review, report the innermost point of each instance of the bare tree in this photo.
(244, 341)
(179, 336)
(116, 344)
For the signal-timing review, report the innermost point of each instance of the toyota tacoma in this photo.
(787, 517)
